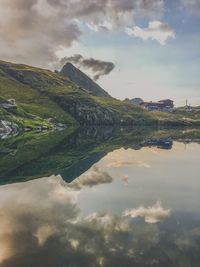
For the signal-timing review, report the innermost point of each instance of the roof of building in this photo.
(165, 100)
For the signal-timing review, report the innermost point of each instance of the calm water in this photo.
(106, 200)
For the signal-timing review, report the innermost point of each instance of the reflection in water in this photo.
(52, 234)
(153, 214)
(42, 225)
(91, 178)
(132, 208)
(70, 153)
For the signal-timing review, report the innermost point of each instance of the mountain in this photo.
(82, 80)
(43, 97)
(37, 99)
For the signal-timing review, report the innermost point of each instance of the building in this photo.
(165, 105)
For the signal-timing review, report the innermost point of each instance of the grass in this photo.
(31, 100)
(125, 110)
(47, 94)
(35, 91)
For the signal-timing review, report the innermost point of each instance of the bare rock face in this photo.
(7, 129)
(82, 80)
(8, 104)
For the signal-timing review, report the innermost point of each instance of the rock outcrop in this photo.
(82, 80)
(8, 104)
(7, 128)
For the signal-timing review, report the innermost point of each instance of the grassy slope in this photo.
(125, 109)
(45, 94)
(179, 115)
(28, 99)
(193, 115)
(35, 90)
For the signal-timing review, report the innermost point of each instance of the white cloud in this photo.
(35, 219)
(33, 31)
(125, 158)
(91, 178)
(125, 163)
(152, 214)
(156, 30)
(104, 26)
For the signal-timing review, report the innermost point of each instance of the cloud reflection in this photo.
(124, 158)
(151, 214)
(41, 226)
(91, 178)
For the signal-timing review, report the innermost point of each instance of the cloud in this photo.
(156, 30)
(37, 219)
(189, 239)
(125, 179)
(27, 226)
(98, 67)
(152, 214)
(103, 26)
(125, 163)
(42, 225)
(192, 5)
(110, 14)
(30, 35)
(124, 158)
(91, 178)
(32, 31)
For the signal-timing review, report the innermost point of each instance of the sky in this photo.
(132, 48)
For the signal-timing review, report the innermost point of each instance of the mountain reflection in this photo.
(41, 225)
(111, 199)
(72, 152)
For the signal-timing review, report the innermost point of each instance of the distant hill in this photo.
(135, 101)
(82, 80)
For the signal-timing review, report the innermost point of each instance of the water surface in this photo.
(129, 205)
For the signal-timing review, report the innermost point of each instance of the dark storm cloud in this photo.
(75, 59)
(32, 31)
(98, 67)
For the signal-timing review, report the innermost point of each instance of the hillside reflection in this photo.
(110, 199)
(70, 153)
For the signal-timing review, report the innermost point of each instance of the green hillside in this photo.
(55, 98)
(26, 84)
(47, 98)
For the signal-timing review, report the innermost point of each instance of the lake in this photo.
(97, 197)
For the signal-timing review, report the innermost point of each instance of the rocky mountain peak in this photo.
(82, 80)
